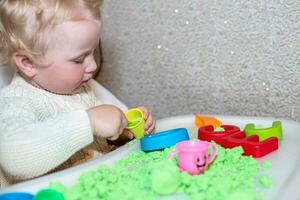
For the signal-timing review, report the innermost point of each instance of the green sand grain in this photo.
(267, 164)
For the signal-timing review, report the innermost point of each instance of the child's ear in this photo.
(24, 64)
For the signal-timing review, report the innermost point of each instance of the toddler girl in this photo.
(53, 114)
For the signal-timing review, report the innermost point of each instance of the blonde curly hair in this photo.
(24, 23)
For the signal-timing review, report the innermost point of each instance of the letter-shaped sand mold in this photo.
(232, 137)
(264, 133)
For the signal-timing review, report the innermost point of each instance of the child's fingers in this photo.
(148, 122)
(145, 112)
(151, 129)
(151, 126)
(128, 134)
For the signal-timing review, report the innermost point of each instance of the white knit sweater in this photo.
(40, 130)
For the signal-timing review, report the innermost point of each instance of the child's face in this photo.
(69, 60)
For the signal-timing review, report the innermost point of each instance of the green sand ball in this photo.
(266, 181)
(267, 164)
(165, 178)
(49, 194)
(58, 187)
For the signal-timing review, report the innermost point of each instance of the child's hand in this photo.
(125, 137)
(149, 120)
(107, 121)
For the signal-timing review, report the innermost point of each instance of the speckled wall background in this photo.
(196, 56)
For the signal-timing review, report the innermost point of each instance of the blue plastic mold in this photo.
(16, 196)
(164, 139)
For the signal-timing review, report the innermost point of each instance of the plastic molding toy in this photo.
(201, 120)
(45, 194)
(164, 139)
(264, 133)
(232, 136)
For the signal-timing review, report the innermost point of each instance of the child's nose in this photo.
(91, 66)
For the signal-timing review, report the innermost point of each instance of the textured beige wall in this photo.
(197, 56)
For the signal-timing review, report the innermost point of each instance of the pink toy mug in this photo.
(193, 156)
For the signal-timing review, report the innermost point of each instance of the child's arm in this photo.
(29, 149)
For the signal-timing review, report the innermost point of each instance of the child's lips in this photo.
(86, 81)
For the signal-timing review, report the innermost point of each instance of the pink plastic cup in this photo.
(193, 156)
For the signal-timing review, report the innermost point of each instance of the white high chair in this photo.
(6, 74)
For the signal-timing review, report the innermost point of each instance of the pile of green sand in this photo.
(149, 175)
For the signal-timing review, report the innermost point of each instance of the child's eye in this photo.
(78, 61)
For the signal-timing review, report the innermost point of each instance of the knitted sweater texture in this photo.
(39, 130)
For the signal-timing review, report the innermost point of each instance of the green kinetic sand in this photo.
(219, 129)
(266, 181)
(267, 164)
(165, 177)
(149, 176)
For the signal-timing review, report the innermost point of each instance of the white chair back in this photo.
(6, 74)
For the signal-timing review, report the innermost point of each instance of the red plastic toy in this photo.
(232, 136)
